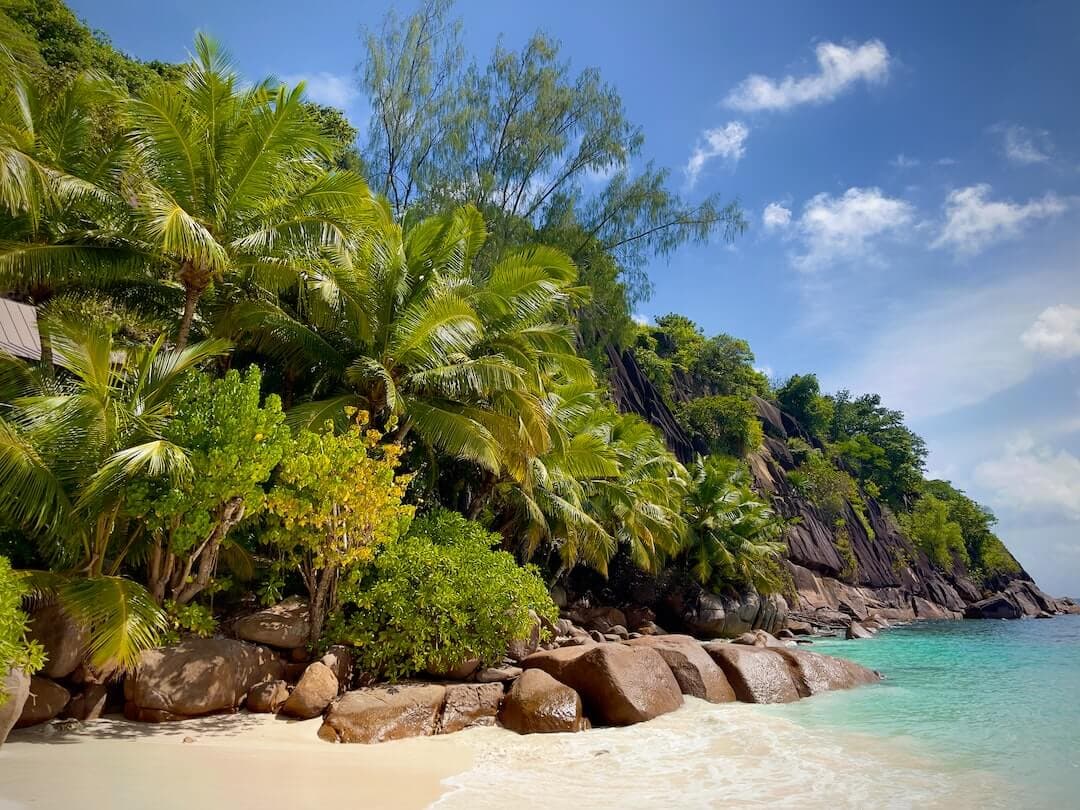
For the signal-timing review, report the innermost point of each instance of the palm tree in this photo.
(607, 482)
(409, 330)
(68, 448)
(58, 188)
(732, 535)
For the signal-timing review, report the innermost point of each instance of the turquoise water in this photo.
(993, 696)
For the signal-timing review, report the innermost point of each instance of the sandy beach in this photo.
(235, 761)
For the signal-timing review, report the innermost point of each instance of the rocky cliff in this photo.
(883, 574)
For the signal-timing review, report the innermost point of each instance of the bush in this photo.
(436, 598)
(727, 425)
(941, 539)
(830, 489)
(16, 650)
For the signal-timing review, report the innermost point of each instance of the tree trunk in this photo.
(320, 603)
(232, 511)
(195, 279)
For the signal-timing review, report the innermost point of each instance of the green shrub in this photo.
(727, 425)
(16, 650)
(942, 540)
(830, 489)
(437, 597)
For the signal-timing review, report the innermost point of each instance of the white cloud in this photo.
(845, 227)
(1034, 478)
(727, 142)
(327, 88)
(642, 319)
(1056, 331)
(839, 67)
(775, 216)
(973, 221)
(902, 161)
(946, 161)
(954, 348)
(1024, 146)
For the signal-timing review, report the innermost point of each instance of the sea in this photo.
(971, 714)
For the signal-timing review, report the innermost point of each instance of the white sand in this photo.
(236, 761)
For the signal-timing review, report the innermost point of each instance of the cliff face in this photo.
(884, 575)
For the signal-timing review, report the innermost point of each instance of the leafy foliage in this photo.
(17, 651)
(233, 443)
(987, 555)
(727, 425)
(732, 535)
(801, 397)
(941, 539)
(336, 498)
(829, 488)
(436, 598)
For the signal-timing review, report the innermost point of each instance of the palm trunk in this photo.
(195, 279)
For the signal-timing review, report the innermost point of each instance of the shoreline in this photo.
(238, 761)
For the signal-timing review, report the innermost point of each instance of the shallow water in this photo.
(972, 714)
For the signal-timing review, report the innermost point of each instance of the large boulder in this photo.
(47, 699)
(759, 638)
(694, 670)
(384, 713)
(710, 615)
(470, 704)
(339, 659)
(64, 640)
(998, 606)
(267, 697)
(90, 703)
(198, 676)
(286, 625)
(620, 685)
(815, 673)
(757, 674)
(537, 703)
(520, 648)
(857, 630)
(317, 687)
(16, 686)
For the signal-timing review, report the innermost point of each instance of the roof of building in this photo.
(18, 330)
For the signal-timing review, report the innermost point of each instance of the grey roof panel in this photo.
(18, 330)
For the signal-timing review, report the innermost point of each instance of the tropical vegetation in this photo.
(276, 361)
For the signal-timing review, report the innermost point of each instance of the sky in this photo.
(910, 173)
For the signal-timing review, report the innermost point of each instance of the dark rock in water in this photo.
(757, 674)
(619, 684)
(196, 677)
(47, 699)
(856, 630)
(997, 606)
(313, 693)
(384, 713)
(694, 670)
(537, 703)
(470, 704)
(815, 673)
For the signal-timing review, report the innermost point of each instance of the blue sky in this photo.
(911, 173)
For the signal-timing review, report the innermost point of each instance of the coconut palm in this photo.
(68, 447)
(607, 482)
(732, 535)
(407, 329)
(58, 187)
(227, 183)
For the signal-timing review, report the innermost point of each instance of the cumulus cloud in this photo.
(1032, 477)
(973, 221)
(846, 227)
(327, 88)
(1024, 146)
(839, 68)
(1056, 331)
(775, 216)
(727, 142)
